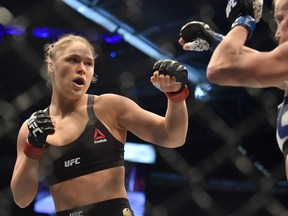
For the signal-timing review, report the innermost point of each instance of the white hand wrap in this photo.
(198, 45)
(257, 7)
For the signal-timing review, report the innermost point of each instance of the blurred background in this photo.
(230, 163)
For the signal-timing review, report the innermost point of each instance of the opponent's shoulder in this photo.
(281, 50)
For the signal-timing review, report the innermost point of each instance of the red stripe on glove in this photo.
(179, 96)
(33, 152)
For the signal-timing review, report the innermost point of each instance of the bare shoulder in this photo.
(113, 109)
(282, 50)
(23, 128)
(113, 100)
(109, 96)
(114, 104)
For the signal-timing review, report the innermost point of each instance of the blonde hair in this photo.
(62, 42)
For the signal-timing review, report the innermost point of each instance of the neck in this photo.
(61, 106)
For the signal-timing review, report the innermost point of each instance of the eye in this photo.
(72, 60)
(278, 19)
(89, 63)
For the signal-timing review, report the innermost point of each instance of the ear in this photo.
(51, 67)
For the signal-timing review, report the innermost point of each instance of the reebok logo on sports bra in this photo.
(94, 150)
(99, 137)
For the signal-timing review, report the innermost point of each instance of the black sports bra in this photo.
(96, 149)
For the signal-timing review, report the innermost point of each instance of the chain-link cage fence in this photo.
(230, 163)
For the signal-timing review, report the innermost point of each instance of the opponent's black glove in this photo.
(199, 36)
(237, 8)
(244, 12)
(40, 126)
(173, 68)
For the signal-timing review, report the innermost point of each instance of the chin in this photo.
(74, 95)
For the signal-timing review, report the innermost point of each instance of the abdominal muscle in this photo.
(88, 189)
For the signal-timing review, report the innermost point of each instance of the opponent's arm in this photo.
(31, 144)
(230, 56)
(236, 65)
(198, 36)
(232, 63)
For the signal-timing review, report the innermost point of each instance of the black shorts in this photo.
(113, 207)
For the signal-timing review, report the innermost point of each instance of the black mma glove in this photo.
(199, 36)
(40, 126)
(244, 12)
(173, 68)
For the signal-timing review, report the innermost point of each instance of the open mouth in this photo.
(79, 81)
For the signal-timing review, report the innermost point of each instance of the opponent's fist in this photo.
(174, 69)
(237, 8)
(40, 126)
(199, 37)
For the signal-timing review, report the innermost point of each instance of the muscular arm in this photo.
(169, 131)
(234, 64)
(24, 183)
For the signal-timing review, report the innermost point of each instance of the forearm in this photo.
(24, 183)
(176, 124)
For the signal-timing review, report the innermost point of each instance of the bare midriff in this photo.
(88, 189)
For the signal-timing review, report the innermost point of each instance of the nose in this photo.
(81, 68)
(277, 35)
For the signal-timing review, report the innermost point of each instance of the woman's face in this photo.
(73, 69)
(281, 18)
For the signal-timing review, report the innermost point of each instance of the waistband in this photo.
(113, 207)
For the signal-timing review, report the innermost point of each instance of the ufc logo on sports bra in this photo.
(80, 213)
(72, 162)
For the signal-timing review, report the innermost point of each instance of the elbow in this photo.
(220, 74)
(178, 139)
(212, 73)
(21, 202)
(22, 205)
(174, 137)
(175, 143)
(180, 142)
